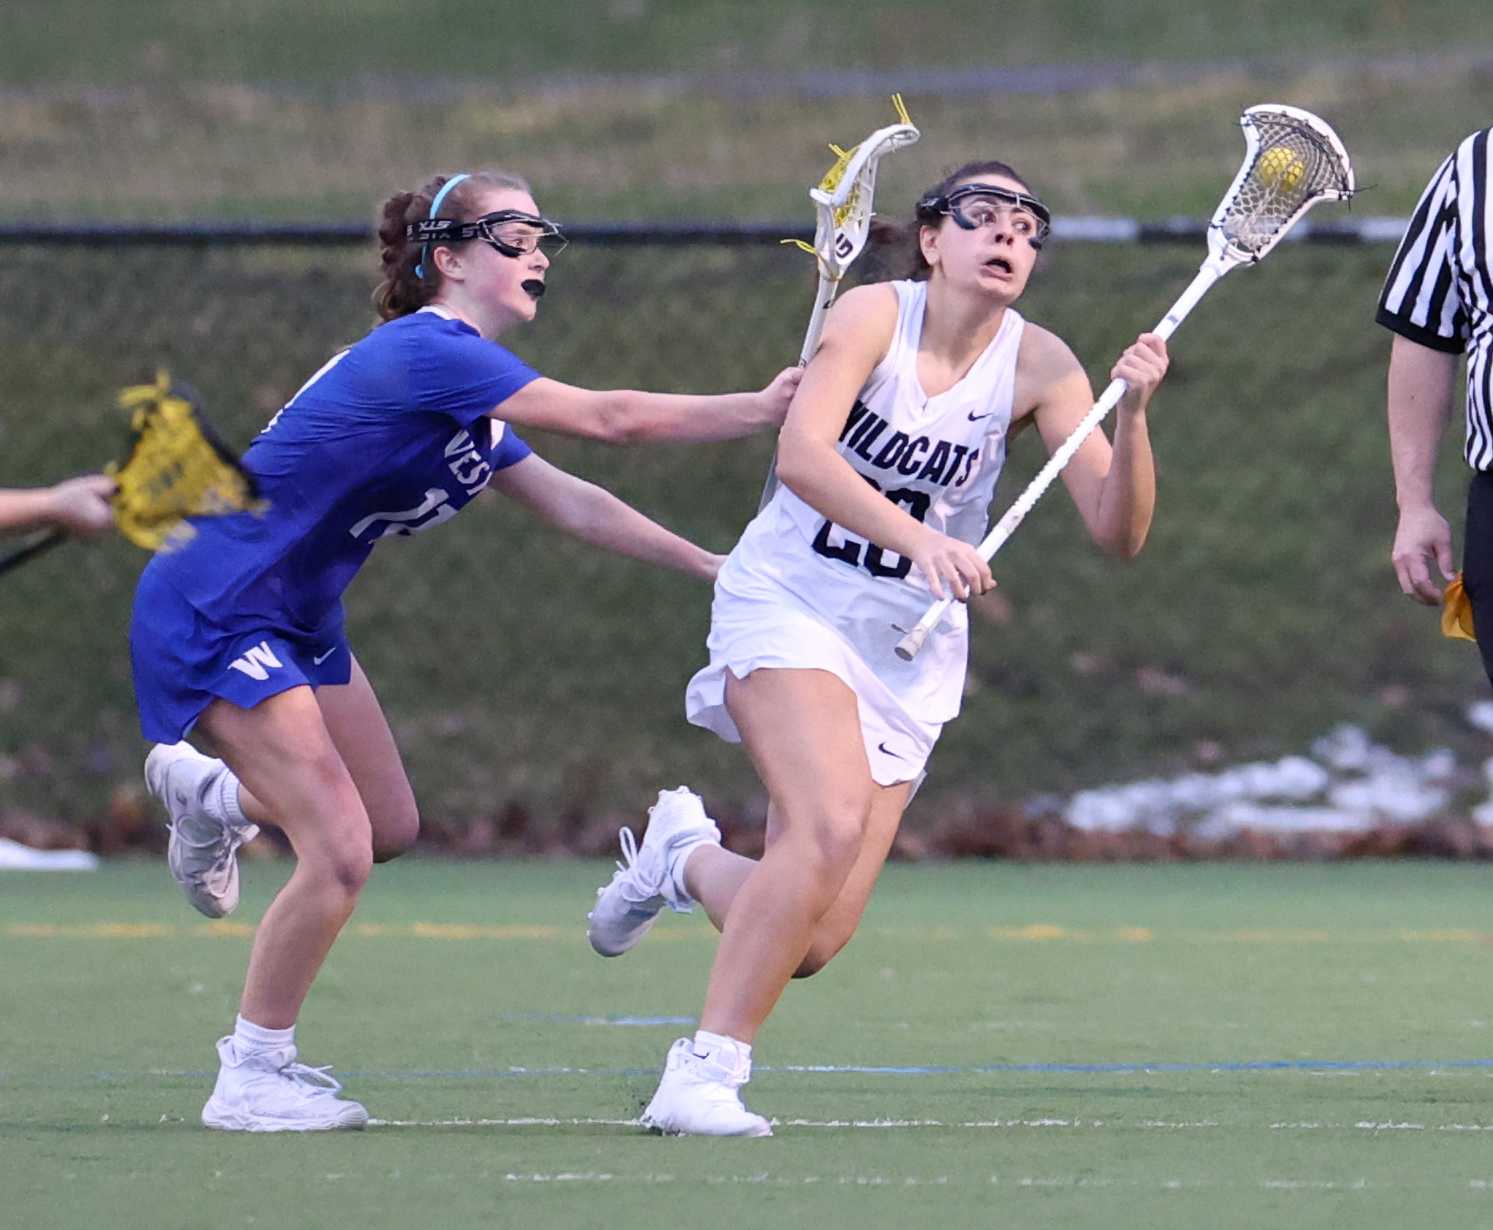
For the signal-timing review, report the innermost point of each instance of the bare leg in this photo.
(283, 753)
(840, 921)
(714, 876)
(360, 732)
(802, 729)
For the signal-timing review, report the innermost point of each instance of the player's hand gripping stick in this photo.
(1293, 160)
(912, 642)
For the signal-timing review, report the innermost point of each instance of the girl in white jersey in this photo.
(888, 462)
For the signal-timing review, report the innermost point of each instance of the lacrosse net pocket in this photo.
(1295, 161)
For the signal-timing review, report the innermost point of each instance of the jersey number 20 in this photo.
(856, 553)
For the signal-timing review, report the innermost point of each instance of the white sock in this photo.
(733, 1055)
(251, 1039)
(681, 901)
(222, 799)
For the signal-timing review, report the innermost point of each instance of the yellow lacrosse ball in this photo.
(1280, 168)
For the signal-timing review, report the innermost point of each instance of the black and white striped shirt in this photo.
(1439, 292)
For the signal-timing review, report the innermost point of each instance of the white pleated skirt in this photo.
(762, 629)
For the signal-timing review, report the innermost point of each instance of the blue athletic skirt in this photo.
(182, 660)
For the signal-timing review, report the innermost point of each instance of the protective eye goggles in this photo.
(510, 231)
(975, 205)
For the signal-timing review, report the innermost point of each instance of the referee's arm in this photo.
(1421, 388)
(1420, 304)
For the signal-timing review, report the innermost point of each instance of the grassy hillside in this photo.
(691, 147)
(324, 42)
(523, 669)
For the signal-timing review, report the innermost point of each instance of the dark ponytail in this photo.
(402, 291)
(896, 250)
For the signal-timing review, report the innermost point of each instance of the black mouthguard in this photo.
(534, 287)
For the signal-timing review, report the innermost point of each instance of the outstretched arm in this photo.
(588, 512)
(1421, 388)
(78, 505)
(628, 417)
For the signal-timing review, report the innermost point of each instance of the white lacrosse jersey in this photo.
(937, 457)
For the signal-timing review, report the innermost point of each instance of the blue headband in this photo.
(434, 206)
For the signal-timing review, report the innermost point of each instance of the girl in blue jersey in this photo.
(238, 631)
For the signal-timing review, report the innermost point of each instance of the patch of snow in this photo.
(16, 857)
(1351, 785)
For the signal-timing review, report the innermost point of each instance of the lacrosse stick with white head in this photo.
(843, 209)
(1292, 161)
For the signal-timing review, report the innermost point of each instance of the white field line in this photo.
(975, 1124)
(1032, 933)
(1367, 1125)
(767, 1178)
(1357, 1185)
(527, 1121)
(1475, 1067)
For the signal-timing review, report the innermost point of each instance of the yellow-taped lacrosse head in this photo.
(842, 207)
(175, 470)
(836, 174)
(843, 198)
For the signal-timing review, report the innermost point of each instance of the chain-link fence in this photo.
(530, 676)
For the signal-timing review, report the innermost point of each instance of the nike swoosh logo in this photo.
(882, 747)
(324, 657)
(975, 418)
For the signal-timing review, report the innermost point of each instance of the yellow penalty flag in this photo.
(1456, 612)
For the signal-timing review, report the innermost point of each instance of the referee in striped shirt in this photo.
(1438, 300)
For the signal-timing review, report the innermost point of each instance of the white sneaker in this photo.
(698, 1096)
(203, 850)
(652, 875)
(270, 1092)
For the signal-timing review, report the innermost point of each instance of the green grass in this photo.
(323, 42)
(451, 975)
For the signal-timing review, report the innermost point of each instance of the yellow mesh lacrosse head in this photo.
(175, 470)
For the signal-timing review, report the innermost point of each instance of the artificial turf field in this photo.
(1002, 1045)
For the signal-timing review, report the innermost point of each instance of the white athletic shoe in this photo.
(270, 1092)
(652, 875)
(203, 849)
(698, 1097)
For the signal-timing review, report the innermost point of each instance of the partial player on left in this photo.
(78, 506)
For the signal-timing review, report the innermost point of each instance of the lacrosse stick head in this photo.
(843, 200)
(1293, 160)
(178, 467)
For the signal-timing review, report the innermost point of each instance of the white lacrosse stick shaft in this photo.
(912, 642)
(1223, 256)
(824, 298)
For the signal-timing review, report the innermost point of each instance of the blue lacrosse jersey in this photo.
(390, 437)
